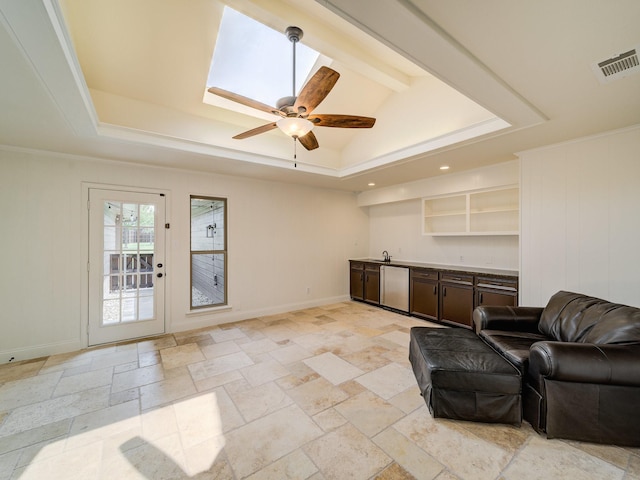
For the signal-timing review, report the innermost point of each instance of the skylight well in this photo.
(255, 61)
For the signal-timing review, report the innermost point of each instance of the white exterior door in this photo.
(126, 265)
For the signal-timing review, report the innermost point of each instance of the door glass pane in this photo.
(145, 305)
(146, 238)
(147, 215)
(111, 312)
(112, 213)
(129, 309)
(129, 214)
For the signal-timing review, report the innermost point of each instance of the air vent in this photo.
(617, 67)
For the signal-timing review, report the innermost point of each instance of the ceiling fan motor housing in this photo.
(285, 102)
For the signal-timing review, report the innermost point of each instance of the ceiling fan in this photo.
(296, 117)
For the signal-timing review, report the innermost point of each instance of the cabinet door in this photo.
(357, 283)
(457, 304)
(424, 295)
(372, 286)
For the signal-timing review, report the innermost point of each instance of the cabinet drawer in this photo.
(357, 265)
(509, 284)
(458, 278)
(424, 274)
(372, 267)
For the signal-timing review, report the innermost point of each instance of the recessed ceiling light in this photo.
(371, 184)
(444, 167)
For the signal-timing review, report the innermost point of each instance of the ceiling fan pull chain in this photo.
(295, 154)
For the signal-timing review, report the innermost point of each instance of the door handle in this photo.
(159, 275)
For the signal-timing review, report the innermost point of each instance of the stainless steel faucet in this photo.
(387, 257)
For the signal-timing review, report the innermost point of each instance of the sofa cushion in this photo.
(512, 345)
(573, 317)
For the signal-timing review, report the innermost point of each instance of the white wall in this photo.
(395, 222)
(580, 206)
(282, 239)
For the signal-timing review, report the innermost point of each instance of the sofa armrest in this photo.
(586, 362)
(520, 319)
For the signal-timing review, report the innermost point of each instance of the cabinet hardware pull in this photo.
(435, 289)
(444, 291)
(481, 298)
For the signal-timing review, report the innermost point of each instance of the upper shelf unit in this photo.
(484, 212)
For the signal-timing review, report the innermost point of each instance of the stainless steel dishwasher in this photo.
(394, 287)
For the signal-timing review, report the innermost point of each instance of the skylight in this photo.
(255, 61)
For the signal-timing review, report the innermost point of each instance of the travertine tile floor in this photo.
(322, 393)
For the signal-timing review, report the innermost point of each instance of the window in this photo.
(246, 50)
(208, 252)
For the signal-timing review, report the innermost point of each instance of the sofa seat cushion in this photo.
(573, 317)
(512, 345)
(461, 377)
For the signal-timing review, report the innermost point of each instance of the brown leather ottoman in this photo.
(461, 377)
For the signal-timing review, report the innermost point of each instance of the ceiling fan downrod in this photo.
(294, 34)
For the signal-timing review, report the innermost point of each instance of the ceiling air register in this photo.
(617, 67)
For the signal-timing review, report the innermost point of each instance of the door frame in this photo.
(84, 254)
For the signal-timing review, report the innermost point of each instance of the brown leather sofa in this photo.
(580, 363)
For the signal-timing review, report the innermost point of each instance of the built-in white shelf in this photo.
(484, 212)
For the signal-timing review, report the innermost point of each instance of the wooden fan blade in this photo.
(342, 121)
(309, 141)
(316, 89)
(256, 131)
(242, 100)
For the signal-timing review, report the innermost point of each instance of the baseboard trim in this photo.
(36, 351)
(212, 319)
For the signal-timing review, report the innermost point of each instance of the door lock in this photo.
(159, 265)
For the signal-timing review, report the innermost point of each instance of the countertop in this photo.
(441, 267)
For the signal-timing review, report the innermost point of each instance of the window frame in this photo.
(223, 252)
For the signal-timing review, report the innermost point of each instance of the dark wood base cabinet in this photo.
(365, 282)
(423, 294)
(456, 298)
(441, 295)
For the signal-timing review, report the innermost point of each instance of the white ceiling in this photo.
(126, 80)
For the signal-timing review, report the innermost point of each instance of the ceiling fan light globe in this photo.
(295, 126)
